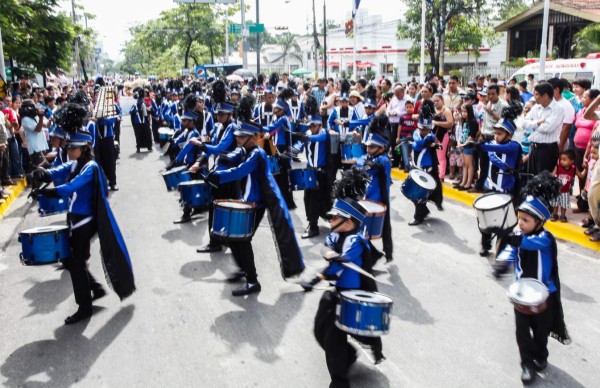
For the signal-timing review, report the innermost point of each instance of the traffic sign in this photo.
(256, 28)
(235, 28)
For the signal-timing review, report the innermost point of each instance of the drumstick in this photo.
(358, 269)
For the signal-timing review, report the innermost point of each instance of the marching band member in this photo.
(296, 105)
(263, 112)
(505, 160)
(315, 142)
(140, 122)
(340, 117)
(377, 164)
(534, 253)
(58, 154)
(347, 244)
(359, 127)
(425, 159)
(89, 213)
(104, 149)
(260, 188)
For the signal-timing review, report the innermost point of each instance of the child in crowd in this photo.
(407, 126)
(565, 171)
(455, 158)
(593, 191)
(470, 129)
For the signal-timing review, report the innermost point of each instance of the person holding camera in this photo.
(33, 125)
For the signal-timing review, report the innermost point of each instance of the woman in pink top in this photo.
(584, 129)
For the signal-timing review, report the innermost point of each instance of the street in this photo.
(452, 323)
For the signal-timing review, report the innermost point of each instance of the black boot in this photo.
(81, 314)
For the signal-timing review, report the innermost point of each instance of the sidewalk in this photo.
(570, 231)
(20, 184)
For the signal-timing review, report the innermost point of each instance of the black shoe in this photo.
(415, 222)
(137, 150)
(114, 188)
(209, 248)
(484, 253)
(80, 315)
(183, 219)
(308, 285)
(310, 232)
(236, 276)
(389, 259)
(439, 207)
(540, 365)
(378, 356)
(528, 375)
(99, 293)
(150, 149)
(246, 289)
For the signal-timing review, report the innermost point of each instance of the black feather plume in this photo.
(427, 110)
(345, 86)
(311, 107)
(218, 92)
(379, 125)
(260, 79)
(189, 104)
(274, 80)
(286, 94)
(246, 109)
(512, 110)
(71, 117)
(252, 83)
(543, 185)
(371, 92)
(353, 184)
(80, 97)
(292, 85)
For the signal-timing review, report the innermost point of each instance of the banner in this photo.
(200, 72)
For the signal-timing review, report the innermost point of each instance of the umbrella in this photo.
(244, 73)
(301, 72)
(234, 78)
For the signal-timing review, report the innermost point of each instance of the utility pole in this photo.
(76, 43)
(422, 64)
(244, 35)
(316, 37)
(257, 41)
(226, 59)
(324, 40)
(543, 46)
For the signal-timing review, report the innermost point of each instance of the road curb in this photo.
(562, 231)
(16, 190)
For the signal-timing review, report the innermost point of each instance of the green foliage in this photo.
(587, 40)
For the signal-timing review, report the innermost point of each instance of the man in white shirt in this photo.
(567, 107)
(545, 120)
(395, 110)
(452, 97)
(32, 121)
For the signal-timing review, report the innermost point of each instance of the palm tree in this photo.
(587, 40)
(286, 41)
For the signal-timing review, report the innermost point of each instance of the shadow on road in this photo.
(140, 155)
(45, 296)
(406, 307)
(65, 360)
(362, 375)
(442, 232)
(556, 377)
(201, 271)
(570, 294)
(259, 325)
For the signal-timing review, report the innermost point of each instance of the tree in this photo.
(587, 41)
(286, 41)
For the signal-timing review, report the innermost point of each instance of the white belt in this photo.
(82, 222)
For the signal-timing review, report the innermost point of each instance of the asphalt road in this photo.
(452, 324)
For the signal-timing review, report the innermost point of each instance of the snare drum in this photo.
(165, 133)
(304, 179)
(49, 206)
(273, 164)
(44, 245)
(364, 313)
(351, 152)
(418, 185)
(495, 213)
(334, 143)
(373, 225)
(233, 219)
(176, 176)
(528, 295)
(195, 193)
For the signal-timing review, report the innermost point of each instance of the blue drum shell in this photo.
(413, 191)
(44, 245)
(374, 226)
(195, 195)
(347, 152)
(297, 179)
(175, 176)
(49, 206)
(365, 319)
(273, 164)
(233, 223)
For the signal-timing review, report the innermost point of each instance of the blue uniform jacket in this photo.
(188, 151)
(136, 116)
(380, 168)
(80, 189)
(503, 157)
(106, 127)
(353, 248)
(423, 153)
(316, 148)
(277, 129)
(335, 115)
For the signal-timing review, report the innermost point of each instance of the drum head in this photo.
(165, 130)
(176, 170)
(372, 207)
(192, 183)
(528, 291)
(234, 205)
(45, 229)
(423, 179)
(366, 296)
(492, 201)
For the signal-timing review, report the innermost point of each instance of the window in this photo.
(387, 68)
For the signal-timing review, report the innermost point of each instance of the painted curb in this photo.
(16, 190)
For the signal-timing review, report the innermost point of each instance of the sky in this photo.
(114, 17)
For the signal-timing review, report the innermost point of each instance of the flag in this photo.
(355, 4)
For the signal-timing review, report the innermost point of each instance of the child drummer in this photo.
(348, 245)
(533, 252)
(260, 188)
(377, 164)
(505, 159)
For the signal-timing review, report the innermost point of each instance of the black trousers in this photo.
(156, 123)
(484, 165)
(542, 157)
(421, 210)
(315, 201)
(106, 158)
(143, 135)
(243, 254)
(339, 354)
(283, 180)
(386, 236)
(83, 281)
(392, 144)
(117, 131)
(532, 333)
(4, 162)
